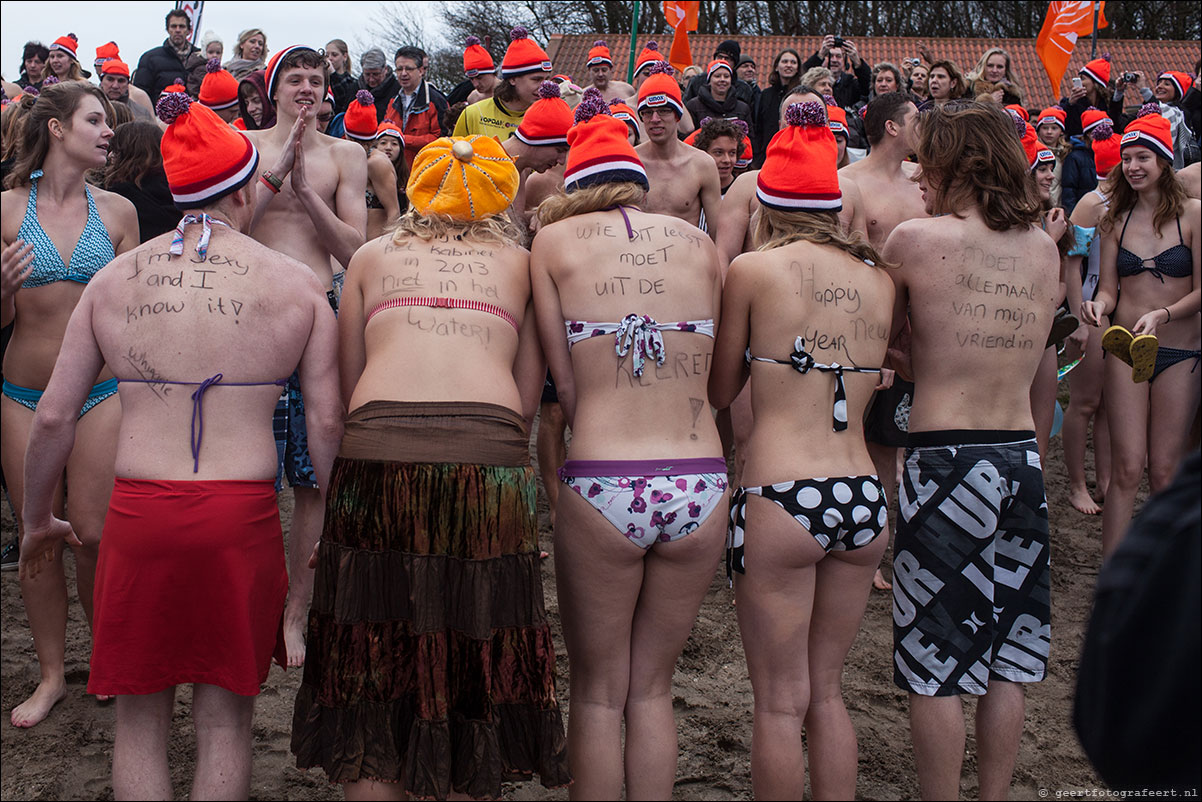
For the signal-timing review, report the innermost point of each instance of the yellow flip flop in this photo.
(1117, 341)
(1143, 357)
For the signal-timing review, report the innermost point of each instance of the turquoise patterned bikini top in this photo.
(93, 251)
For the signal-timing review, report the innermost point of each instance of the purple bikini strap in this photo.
(622, 209)
(198, 423)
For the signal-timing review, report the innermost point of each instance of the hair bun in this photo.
(171, 105)
(810, 112)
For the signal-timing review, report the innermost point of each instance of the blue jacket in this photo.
(1079, 175)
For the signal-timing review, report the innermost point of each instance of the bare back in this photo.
(285, 225)
(839, 306)
(586, 268)
(980, 305)
(889, 196)
(243, 311)
(432, 353)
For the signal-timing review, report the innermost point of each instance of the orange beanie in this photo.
(204, 158)
(219, 89)
(799, 172)
(547, 121)
(1149, 130)
(476, 59)
(524, 55)
(360, 117)
(599, 151)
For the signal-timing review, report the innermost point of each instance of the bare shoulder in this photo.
(743, 188)
(113, 203)
(853, 169)
(342, 149)
(1191, 177)
(848, 185)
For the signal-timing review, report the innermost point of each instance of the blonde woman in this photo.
(250, 53)
(994, 77)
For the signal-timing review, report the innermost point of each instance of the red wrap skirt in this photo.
(190, 586)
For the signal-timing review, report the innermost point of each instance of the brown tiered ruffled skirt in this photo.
(429, 658)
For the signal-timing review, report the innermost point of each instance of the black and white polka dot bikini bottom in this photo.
(842, 514)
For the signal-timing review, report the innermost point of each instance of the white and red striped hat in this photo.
(599, 150)
(547, 121)
(1150, 129)
(204, 158)
(661, 89)
(799, 172)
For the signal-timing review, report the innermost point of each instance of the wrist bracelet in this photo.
(1168, 314)
(274, 189)
(273, 181)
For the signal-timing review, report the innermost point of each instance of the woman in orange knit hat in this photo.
(808, 524)
(1152, 251)
(430, 666)
(641, 512)
(49, 212)
(63, 62)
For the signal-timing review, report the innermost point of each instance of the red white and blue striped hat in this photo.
(1151, 130)
(204, 158)
(547, 121)
(661, 89)
(272, 76)
(599, 151)
(799, 172)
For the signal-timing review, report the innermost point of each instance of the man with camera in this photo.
(853, 78)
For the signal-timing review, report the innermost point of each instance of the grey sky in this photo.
(138, 26)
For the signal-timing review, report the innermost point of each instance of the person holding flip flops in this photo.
(1157, 327)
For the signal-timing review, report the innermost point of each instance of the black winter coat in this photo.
(161, 66)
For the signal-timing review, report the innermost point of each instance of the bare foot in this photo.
(542, 555)
(878, 581)
(30, 712)
(294, 640)
(1083, 502)
(104, 697)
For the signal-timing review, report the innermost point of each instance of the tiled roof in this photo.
(570, 52)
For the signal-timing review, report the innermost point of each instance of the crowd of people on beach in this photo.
(827, 292)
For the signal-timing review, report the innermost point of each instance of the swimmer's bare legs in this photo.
(307, 514)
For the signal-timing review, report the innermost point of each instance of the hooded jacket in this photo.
(1079, 176)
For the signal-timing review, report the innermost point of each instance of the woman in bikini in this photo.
(430, 667)
(49, 211)
(1161, 295)
(627, 302)
(807, 316)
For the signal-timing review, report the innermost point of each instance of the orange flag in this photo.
(681, 15)
(1058, 36)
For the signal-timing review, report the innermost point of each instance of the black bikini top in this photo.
(1174, 262)
(803, 362)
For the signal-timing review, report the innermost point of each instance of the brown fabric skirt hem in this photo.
(472, 757)
(436, 431)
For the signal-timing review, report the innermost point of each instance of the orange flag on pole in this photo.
(681, 15)
(1065, 22)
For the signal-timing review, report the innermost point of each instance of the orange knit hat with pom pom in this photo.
(599, 54)
(799, 172)
(476, 59)
(547, 121)
(661, 89)
(1150, 130)
(649, 56)
(1098, 69)
(360, 117)
(524, 55)
(219, 89)
(465, 179)
(1054, 115)
(599, 151)
(204, 158)
(68, 44)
